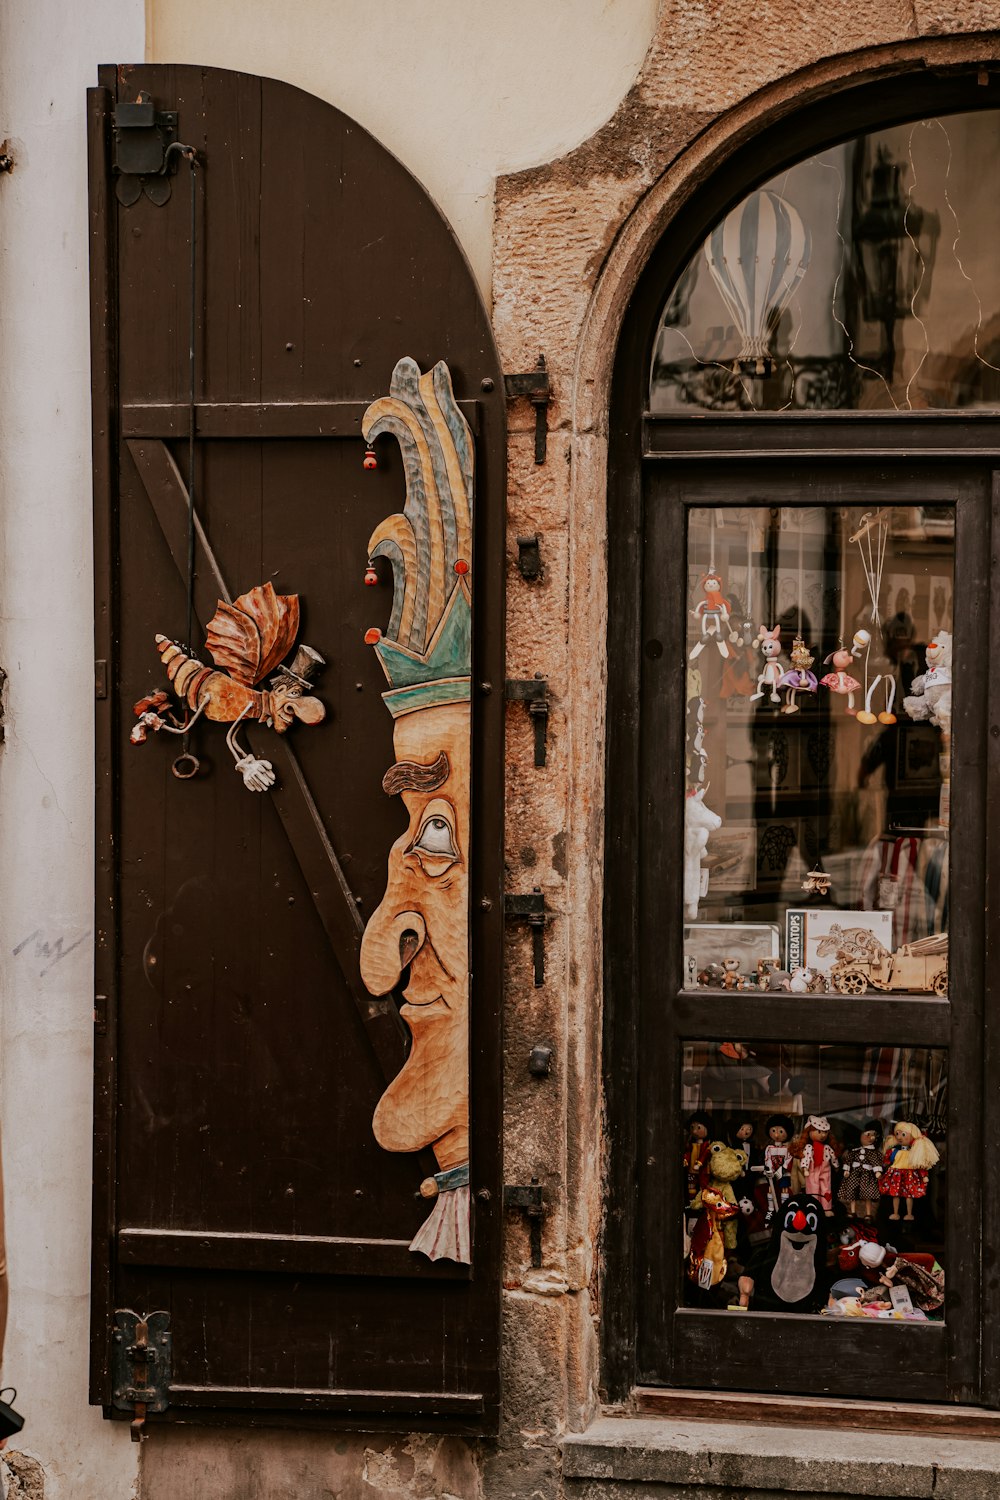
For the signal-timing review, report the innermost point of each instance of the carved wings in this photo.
(249, 637)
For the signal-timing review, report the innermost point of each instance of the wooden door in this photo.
(240, 1056)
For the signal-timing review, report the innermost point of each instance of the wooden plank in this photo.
(279, 1398)
(990, 1187)
(846, 1356)
(817, 1411)
(103, 347)
(291, 797)
(306, 1254)
(255, 419)
(898, 1020)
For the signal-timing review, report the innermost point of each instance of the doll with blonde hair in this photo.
(908, 1159)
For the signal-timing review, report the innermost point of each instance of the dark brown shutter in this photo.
(239, 1058)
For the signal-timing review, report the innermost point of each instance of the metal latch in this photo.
(144, 154)
(535, 386)
(141, 1364)
(530, 909)
(534, 691)
(530, 1201)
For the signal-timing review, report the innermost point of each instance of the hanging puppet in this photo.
(798, 679)
(699, 822)
(816, 1156)
(247, 640)
(713, 611)
(862, 1168)
(769, 643)
(872, 537)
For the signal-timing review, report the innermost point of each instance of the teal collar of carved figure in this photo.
(456, 1177)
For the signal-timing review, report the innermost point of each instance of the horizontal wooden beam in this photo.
(297, 1254)
(281, 1398)
(816, 1411)
(255, 419)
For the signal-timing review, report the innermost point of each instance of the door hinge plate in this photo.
(530, 909)
(141, 1364)
(534, 385)
(534, 693)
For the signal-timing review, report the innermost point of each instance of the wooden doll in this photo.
(862, 1167)
(777, 1163)
(699, 1132)
(907, 1162)
(816, 1155)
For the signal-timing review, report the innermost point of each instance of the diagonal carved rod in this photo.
(300, 817)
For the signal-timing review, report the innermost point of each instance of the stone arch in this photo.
(572, 241)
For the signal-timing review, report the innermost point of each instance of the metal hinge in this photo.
(529, 559)
(534, 691)
(141, 1364)
(530, 909)
(144, 137)
(535, 386)
(531, 1202)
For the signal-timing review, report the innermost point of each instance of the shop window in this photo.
(862, 278)
(798, 965)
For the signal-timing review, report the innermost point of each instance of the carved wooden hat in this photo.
(426, 648)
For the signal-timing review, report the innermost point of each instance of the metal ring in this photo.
(186, 766)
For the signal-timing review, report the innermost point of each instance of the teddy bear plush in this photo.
(931, 695)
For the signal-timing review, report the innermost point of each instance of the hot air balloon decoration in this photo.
(757, 257)
(247, 640)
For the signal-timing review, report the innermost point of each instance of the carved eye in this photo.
(435, 838)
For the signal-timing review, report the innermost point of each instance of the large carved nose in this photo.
(392, 940)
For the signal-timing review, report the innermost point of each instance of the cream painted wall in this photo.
(460, 90)
(49, 53)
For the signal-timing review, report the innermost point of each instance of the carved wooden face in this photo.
(423, 924)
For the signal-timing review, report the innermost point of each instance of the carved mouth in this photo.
(422, 1004)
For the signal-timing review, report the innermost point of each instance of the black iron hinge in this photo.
(534, 385)
(534, 691)
(530, 909)
(141, 1364)
(529, 558)
(529, 1200)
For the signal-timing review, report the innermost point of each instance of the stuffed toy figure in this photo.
(723, 1165)
(789, 1273)
(931, 691)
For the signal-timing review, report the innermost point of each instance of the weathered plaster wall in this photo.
(49, 52)
(458, 92)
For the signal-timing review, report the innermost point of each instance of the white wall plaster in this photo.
(459, 92)
(49, 53)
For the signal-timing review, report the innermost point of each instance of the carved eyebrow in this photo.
(410, 776)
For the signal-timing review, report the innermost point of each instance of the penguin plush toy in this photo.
(789, 1273)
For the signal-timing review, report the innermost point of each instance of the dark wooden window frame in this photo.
(804, 458)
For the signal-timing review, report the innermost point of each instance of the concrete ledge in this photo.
(616, 1458)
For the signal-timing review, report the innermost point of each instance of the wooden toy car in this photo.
(914, 968)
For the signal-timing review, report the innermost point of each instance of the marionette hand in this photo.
(745, 1285)
(258, 775)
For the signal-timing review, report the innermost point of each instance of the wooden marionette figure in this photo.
(777, 1163)
(713, 611)
(769, 643)
(840, 680)
(699, 1133)
(862, 1168)
(798, 679)
(907, 1162)
(816, 1155)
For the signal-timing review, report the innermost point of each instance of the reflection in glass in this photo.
(815, 1179)
(862, 278)
(818, 749)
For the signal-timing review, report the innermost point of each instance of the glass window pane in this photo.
(862, 278)
(815, 1179)
(818, 749)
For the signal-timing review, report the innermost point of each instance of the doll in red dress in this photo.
(816, 1155)
(908, 1159)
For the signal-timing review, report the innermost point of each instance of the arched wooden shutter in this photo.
(239, 1188)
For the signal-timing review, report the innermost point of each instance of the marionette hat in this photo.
(426, 648)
